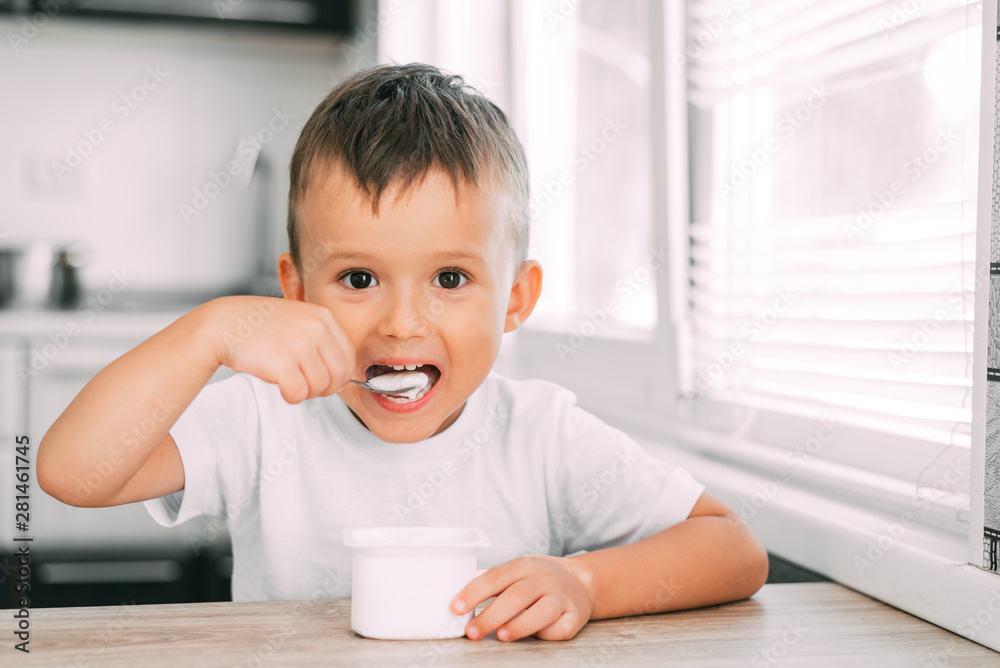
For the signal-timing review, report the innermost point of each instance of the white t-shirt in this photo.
(522, 462)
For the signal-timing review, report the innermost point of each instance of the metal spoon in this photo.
(392, 393)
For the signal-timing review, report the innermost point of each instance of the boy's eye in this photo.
(451, 280)
(359, 280)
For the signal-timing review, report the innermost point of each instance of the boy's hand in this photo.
(547, 596)
(296, 345)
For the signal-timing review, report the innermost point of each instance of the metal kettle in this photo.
(40, 275)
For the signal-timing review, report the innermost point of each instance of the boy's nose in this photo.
(407, 315)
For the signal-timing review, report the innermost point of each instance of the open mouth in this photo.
(432, 372)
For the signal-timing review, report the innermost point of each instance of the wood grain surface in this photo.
(814, 624)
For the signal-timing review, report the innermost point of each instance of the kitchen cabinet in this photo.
(96, 554)
(324, 16)
(133, 575)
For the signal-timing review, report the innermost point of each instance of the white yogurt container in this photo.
(405, 578)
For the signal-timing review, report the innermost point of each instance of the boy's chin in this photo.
(395, 430)
(391, 434)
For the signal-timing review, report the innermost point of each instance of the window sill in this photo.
(916, 566)
(872, 491)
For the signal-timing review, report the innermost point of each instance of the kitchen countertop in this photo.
(815, 624)
(104, 313)
(86, 322)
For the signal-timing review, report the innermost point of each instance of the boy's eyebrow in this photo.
(460, 255)
(443, 255)
(349, 255)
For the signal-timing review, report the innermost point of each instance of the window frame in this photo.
(626, 381)
(820, 519)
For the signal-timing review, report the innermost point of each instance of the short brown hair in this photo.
(396, 122)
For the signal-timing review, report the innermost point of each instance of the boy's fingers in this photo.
(489, 583)
(544, 612)
(316, 374)
(338, 371)
(566, 626)
(513, 601)
(340, 336)
(293, 384)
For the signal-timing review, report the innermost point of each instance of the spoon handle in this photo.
(376, 390)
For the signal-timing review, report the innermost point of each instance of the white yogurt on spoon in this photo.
(397, 380)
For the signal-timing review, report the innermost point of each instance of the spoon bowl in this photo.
(391, 393)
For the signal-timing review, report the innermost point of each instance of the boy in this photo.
(408, 240)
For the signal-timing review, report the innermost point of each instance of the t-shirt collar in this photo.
(431, 449)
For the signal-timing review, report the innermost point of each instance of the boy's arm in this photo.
(113, 440)
(709, 558)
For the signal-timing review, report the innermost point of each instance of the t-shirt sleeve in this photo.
(612, 492)
(214, 437)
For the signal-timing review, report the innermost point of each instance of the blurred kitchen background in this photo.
(145, 161)
(760, 214)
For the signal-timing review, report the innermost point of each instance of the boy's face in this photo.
(428, 281)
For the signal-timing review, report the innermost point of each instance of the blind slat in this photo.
(936, 431)
(925, 280)
(817, 42)
(881, 362)
(865, 315)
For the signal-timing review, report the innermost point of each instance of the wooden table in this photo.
(819, 624)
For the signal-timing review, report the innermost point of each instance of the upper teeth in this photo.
(408, 367)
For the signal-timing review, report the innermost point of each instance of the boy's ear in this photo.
(288, 276)
(523, 295)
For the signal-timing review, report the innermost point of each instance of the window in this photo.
(587, 106)
(834, 152)
(592, 115)
(812, 169)
(577, 82)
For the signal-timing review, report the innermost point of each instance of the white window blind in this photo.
(832, 245)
